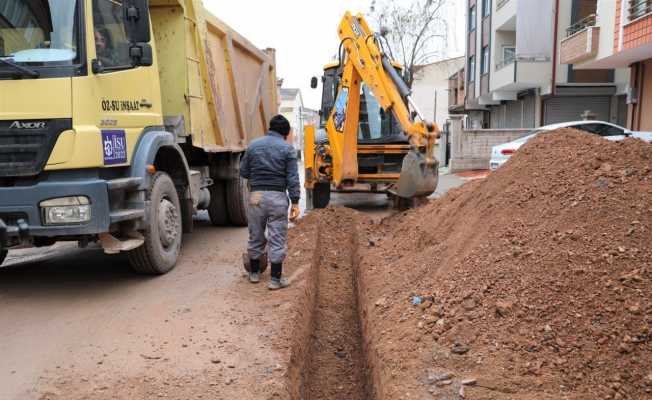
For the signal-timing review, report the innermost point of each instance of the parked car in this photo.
(502, 152)
(645, 136)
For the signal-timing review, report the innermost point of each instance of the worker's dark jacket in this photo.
(270, 164)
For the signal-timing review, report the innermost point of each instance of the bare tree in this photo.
(417, 31)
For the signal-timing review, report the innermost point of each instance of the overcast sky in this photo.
(304, 33)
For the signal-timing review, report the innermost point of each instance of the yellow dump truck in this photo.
(120, 119)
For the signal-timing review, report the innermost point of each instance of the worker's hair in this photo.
(280, 125)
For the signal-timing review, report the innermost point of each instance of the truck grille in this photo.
(25, 145)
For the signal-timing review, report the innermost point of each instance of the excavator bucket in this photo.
(419, 177)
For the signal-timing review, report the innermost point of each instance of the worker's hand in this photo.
(294, 212)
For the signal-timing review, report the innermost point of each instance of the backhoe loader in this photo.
(368, 139)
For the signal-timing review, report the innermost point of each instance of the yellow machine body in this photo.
(335, 161)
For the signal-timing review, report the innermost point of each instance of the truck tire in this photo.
(158, 255)
(217, 210)
(321, 195)
(3, 255)
(237, 197)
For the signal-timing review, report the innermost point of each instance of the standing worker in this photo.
(270, 165)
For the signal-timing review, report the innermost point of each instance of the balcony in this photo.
(516, 75)
(581, 43)
(456, 92)
(504, 18)
(639, 8)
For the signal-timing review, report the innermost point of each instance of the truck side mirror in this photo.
(314, 82)
(136, 20)
(141, 54)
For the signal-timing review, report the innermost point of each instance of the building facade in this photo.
(292, 109)
(430, 90)
(515, 77)
(617, 35)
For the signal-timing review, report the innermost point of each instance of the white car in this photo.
(644, 136)
(502, 152)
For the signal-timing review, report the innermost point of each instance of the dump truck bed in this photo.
(218, 89)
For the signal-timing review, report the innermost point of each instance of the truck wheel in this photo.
(3, 255)
(237, 196)
(217, 210)
(321, 195)
(158, 255)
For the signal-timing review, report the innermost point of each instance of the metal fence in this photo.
(580, 25)
(639, 8)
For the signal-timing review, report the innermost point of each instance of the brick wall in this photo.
(638, 33)
(617, 25)
(577, 48)
(471, 149)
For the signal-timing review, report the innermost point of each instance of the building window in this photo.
(486, 8)
(472, 69)
(509, 54)
(472, 19)
(484, 67)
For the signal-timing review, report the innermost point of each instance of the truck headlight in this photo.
(66, 210)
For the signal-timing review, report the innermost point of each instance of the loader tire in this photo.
(217, 210)
(237, 197)
(321, 195)
(158, 255)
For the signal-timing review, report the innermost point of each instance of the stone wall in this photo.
(471, 149)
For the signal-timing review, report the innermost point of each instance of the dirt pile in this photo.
(535, 283)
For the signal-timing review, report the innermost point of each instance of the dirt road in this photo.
(80, 324)
(76, 324)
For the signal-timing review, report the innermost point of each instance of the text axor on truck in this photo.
(120, 119)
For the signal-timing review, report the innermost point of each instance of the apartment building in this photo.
(617, 35)
(515, 77)
(430, 89)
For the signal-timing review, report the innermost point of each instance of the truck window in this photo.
(41, 33)
(111, 43)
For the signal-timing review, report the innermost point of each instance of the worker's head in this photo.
(280, 125)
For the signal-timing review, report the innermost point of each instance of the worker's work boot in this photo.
(278, 283)
(254, 271)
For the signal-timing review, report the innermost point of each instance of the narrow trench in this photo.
(336, 363)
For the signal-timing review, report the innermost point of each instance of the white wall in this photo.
(431, 86)
(291, 109)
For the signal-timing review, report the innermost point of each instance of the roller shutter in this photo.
(513, 114)
(529, 111)
(571, 108)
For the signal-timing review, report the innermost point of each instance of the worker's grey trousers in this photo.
(268, 210)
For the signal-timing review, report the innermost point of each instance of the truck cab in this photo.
(106, 138)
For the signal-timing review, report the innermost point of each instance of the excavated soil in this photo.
(534, 283)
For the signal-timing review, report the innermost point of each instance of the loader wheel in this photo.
(321, 195)
(3, 255)
(237, 196)
(217, 209)
(158, 255)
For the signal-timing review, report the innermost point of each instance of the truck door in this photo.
(126, 98)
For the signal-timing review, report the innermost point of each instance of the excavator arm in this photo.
(364, 61)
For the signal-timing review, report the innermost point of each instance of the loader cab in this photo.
(375, 126)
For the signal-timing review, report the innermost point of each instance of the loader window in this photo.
(376, 125)
(111, 43)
